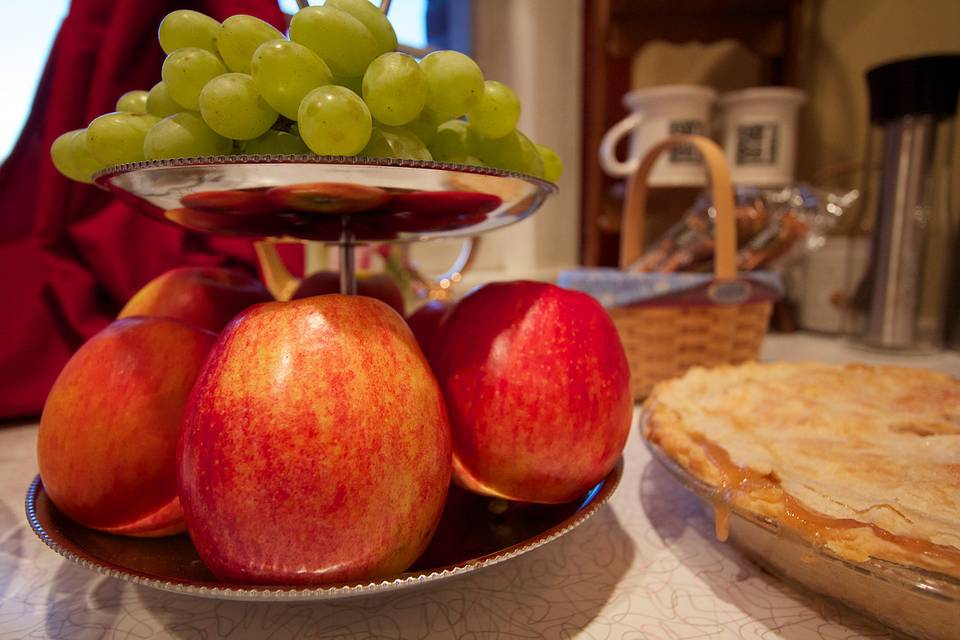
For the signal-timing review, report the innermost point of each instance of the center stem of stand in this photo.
(348, 269)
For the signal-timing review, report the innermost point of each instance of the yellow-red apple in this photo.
(375, 285)
(108, 434)
(315, 445)
(208, 297)
(537, 387)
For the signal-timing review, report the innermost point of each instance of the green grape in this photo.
(498, 111)
(184, 135)
(186, 71)
(395, 142)
(185, 28)
(512, 152)
(72, 158)
(159, 102)
(285, 72)
(372, 18)
(394, 88)
(552, 164)
(133, 102)
(425, 125)
(276, 143)
(454, 81)
(239, 37)
(231, 105)
(343, 42)
(455, 141)
(334, 121)
(117, 138)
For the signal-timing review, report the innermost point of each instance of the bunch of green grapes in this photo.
(337, 86)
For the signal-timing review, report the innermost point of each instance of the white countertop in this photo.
(645, 566)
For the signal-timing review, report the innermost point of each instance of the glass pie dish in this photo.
(923, 604)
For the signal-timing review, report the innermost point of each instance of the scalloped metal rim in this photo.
(928, 583)
(105, 174)
(251, 593)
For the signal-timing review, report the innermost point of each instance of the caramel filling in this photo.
(814, 526)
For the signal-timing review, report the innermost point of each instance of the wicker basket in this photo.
(723, 325)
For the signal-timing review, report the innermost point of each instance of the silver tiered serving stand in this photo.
(343, 201)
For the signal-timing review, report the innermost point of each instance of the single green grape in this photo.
(117, 138)
(159, 102)
(533, 161)
(231, 105)
(72, 158)
(372, 18)
(512, 152)
(343, 42)
(285, 72)
(454, 82)
(239, 37)
(133, 102)
(498, 111)
(395, 142)
(334, 121)
(186, 71)
(425, 125)
(276, 143)
(455, 141)
(185, 28)
(552, 164)
(395, 88)
(184, 135)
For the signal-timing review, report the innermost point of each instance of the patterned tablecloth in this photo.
(647, 565)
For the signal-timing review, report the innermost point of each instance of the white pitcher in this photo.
(656, 113)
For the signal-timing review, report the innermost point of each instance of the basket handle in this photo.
(634, 207)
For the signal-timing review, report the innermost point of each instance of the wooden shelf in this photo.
(615, 30)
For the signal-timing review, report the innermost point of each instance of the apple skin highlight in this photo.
(315, 447)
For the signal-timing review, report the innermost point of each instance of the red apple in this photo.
(374, 285)
(208, 297)
(315, 445)
(537, 386)
(108, 434)
(426, 322)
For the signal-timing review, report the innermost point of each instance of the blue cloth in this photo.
(615, 288)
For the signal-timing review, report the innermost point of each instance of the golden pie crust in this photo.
(863, 460)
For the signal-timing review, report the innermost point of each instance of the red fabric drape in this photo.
(70, 254)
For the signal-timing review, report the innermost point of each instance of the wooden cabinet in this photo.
(614, 32)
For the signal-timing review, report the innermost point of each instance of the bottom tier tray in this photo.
(474, 532)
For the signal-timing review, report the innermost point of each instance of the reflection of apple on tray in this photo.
(319, 211)
(309, 447)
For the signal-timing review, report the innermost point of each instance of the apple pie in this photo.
(862, 460)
